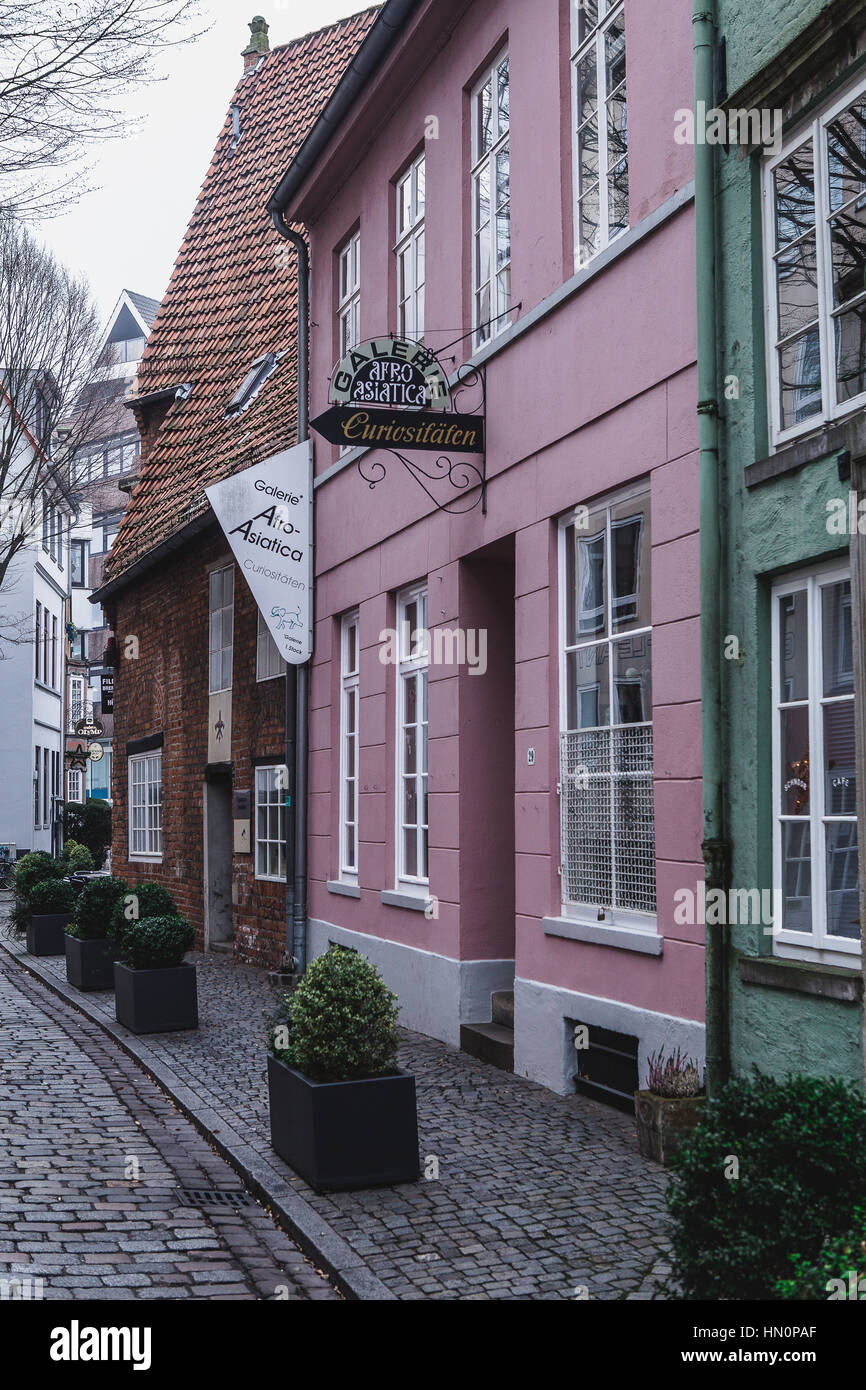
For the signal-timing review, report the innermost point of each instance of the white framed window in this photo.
(77, 700)
(814, 229)
(606, 731)
(145, 806)
(491, 201)
(46, 785)
(814, 768)
(74, 790)
(269, 663)
(350, 657)
(413, 646)
(38, 642)
(600, 124)
(271, 822)
(221, 606)
(37, 819)
(349, 293)
(409, 251)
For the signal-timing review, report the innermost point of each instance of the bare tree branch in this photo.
(65, 66)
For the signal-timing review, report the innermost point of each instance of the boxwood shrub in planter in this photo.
(30, 869)
(343, 1115)
(90, 946)
(51, 903)
(154, 988)
(771, 1182)
(670, 1107)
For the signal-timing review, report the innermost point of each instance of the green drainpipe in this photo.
(714, 847)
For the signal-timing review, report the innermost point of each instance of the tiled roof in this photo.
(232, 297)
(146, 307)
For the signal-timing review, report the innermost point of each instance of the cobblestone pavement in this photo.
(538, 1196)
(77, 1119)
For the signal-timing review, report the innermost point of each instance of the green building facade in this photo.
(781, 217)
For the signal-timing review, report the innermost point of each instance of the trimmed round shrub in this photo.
(156, 943)
(147, 899)
(94, 908)
(774, 1170)
(341, 1022)
(78, 857)
(33, 868)
(50, 896)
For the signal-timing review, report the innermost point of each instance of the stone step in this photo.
(489, 1042)
(222, 948)
(503, 1007)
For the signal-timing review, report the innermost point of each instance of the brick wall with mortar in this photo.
(164, 690)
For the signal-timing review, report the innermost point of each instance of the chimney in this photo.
(258, 45)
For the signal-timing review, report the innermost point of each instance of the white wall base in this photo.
(544, 1045)
(436, 993)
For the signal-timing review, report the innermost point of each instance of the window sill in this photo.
(647, 943)
(413, 902)
(343, 890)
(829, 440)
(801, 977)
(145, 858)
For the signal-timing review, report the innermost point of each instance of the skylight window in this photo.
(251, 384)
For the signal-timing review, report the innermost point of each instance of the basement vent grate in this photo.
(213, 1197)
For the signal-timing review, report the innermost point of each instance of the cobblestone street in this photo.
(78, 1118)
(530, 1195)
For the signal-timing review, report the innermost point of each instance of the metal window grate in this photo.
(608, 831)
(213, 1197)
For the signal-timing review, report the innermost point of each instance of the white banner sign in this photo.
(266, 513)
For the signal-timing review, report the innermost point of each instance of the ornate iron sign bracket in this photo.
(465, 478)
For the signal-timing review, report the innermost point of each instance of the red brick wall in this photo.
(165, 691)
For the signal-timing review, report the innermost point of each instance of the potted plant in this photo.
(671, 1105)
(343, 1114)
(155, 989)
(51, 903)
(32, 868)
(90, 948)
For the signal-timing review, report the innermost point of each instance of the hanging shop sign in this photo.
(266, 513)
(88, 728)
(392, 372)
(433, 431)
(95, 752)
(107, 693)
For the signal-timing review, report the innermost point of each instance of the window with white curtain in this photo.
(145, 805)
(814, 768)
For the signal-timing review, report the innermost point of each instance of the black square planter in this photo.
(46, 934)
(344, 1134)
(89, 964)
(156, 1001)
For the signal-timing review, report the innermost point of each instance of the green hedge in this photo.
(341, 1022)
(775, 1170)
(155, 943)
(94, 910)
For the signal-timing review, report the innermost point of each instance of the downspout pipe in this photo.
(297, 681)
(714, 846)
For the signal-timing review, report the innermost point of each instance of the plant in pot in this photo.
(90, 947)
(343, 1114)
(154, 987)
(671, 1105)
(30, 869)
(51, 903)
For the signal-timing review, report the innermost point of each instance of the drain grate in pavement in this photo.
(214, 1197)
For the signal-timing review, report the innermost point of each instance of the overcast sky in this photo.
(126, 233)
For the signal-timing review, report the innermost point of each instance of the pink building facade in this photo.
(510, 801)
